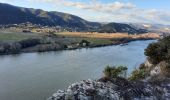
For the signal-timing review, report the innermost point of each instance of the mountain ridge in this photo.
(15, 15)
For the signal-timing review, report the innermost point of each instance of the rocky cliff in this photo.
(115, 89)
(155, 86)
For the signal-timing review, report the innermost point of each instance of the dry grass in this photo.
(108, 36)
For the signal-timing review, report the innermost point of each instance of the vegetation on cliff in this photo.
(158, 57)
(159, 51)
(114, 87)
(115, 71)
(158, 54)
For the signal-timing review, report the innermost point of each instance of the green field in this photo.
(16, 36)
(96, 41)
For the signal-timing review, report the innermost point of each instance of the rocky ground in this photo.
(156, 86)
(115, 89)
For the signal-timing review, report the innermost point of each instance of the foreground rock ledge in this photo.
(114, 89)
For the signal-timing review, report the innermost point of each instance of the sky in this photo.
(134, 11)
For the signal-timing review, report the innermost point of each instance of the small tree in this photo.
(113, 71)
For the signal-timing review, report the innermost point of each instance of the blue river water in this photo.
(35, 76)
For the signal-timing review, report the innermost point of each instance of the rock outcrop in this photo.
(114, 89)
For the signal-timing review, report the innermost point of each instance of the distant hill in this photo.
(158, 28)
(10, 14)
(119, 27)
(14, 15)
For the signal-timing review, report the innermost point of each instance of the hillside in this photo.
(120, 27)
(158, 28)
(10, 14)
(16, 15)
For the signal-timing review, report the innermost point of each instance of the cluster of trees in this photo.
(42, 44)
(16, 47)
(159, 51)
(29, 42)
(9, 48)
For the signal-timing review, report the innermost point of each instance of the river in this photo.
(36, 76)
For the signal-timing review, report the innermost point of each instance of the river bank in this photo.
(15, 43)
(52, 44)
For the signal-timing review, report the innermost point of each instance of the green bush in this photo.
(159, 51)
(113, 71)
(138, 74)
(84, 41)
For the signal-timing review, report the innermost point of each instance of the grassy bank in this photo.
(17, 36)
(40, 42)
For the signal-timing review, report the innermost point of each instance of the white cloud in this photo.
(92, 5)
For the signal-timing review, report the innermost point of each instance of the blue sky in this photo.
(143, 11)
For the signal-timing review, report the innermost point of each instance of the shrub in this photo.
(29, 42)
(159, 51)
(84, 41)
(113, 71)
(138, 74)
(6, 48)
